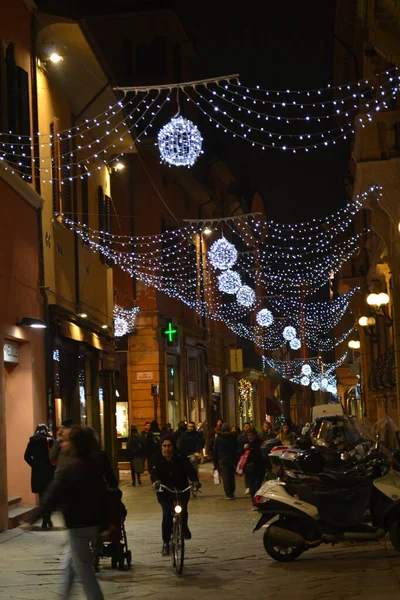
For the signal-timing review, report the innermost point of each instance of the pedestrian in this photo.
(266, 433)
(286, 436)
(103, 460)
(167, 429)
(173, 471)
(151, 442)
(136, 453)
(190, 444)
(255, 465)
(241, 441)
(56, 454)
(37, 455)
(182, 427)
(224, 457)
(236, 429)
(80, 491)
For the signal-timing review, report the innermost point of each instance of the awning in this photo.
(272, 407)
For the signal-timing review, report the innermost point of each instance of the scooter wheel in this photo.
(394, 534)
(279, 552)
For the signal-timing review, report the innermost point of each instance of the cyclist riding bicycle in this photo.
(174, 471)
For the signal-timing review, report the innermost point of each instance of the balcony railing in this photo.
(383, 374)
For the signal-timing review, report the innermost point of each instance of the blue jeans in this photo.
(78, 562)
(167, 505)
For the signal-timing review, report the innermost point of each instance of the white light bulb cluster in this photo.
(264, 317)
(222, 254)
(289, 333)
(229, 282)
(124, 320)
(245, 296)
(180, 142)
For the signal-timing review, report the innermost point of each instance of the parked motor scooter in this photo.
(316, 507)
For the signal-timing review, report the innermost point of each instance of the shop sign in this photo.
(10, 353)
(144, 376)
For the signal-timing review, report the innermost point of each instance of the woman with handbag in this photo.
(37, 457)
(255, 465)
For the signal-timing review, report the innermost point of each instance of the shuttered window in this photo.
(66, 184)
(24, 124)
(104, 207)
(54, 171)
(84, 201)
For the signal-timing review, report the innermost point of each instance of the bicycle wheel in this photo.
(178, 544)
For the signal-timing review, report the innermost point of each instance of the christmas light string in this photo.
(124, 320)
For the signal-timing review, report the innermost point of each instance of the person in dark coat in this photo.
(56, 453)
(174, 471)
(266, 433)
(37, 457)
(136, 451)
(224, 457)
(80, 491)
(241, 441)
(151, 434)
(255, 466)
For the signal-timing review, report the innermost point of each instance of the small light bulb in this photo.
(82, 315)
(363, 321)
(55, 58)
(207, 231)
(119, 166)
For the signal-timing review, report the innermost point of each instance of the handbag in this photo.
(242, 463)
(216, 477)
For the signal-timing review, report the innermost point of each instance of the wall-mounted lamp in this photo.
(82, 315)
(354, 344)
(55, 58)
(32, 322)
(378, 300)
(118, 166)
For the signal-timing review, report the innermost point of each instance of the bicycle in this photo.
(178, 533)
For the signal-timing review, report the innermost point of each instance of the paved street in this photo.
(223, 558)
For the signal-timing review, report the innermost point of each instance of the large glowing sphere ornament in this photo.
(323, 384)
(246, 296)
(306, 370)
(289, 333)
(120, 327)
(295, 344)
(264, 317)
(229, 282)
(179, 142)
(314, 386)
(222, 254)
(305, 380)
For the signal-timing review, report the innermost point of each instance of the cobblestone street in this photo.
(224, 558)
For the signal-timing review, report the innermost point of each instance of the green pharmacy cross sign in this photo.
(170, 331)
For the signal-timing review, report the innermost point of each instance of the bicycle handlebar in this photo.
(175, 491)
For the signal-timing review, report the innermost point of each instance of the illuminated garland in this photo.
(124, 320)
(245, 391)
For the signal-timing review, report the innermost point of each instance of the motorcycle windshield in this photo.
(340, 432)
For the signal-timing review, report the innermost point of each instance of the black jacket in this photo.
(136, 445)
(37, 457)
(189, 442)
(79, 491)
(175, 473)
(225, 449)
(255, 463)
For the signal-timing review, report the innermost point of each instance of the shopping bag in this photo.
(216, 477)
(242, 463)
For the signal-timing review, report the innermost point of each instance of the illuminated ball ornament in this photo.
(305, 380)
(306, 370)
(314, 386)
(295, 344)
(179, 142)
(289, 333)
(323, 384)
(265, 318)
(229, 282)
(222, 254)
(120, 327)
(246, 296)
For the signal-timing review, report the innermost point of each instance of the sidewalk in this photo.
(224, 558)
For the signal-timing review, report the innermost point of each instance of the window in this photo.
(18, 115)
(84, 201)
(151, 59)
(104, 207)
(65, 170)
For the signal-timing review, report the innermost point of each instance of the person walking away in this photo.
(255, 466)
(56, 455)
(37, 455)
(286, 436)
(241, 441)
(174, 471)
(266, 433)
(135, 447)
(190, 444)
(79, 490)
(224, 457)
(236, 429)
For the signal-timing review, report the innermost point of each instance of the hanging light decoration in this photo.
(289, 333)
(264, 317)
(124, 320)
(246, 296)
(314, 386)
(306, 370)
(323, 384)
(180, 142)
(295, 344)
(120, 327)
(229, 282)
(305, 380)
(222, 254)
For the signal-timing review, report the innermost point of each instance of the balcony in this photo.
(383, 374)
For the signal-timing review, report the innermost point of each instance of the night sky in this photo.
(276, 45)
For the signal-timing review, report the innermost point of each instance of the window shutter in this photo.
(24, 124)
(84, 200)
(66, 187)
(102, 219)
(12, 101)
(108, 243)
(54, 172)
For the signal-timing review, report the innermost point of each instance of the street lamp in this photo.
(354, 344)
(378, 300)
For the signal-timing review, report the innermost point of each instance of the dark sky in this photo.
(286, 44)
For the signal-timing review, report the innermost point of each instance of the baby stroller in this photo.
(115, 544)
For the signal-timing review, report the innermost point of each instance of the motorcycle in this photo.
(315, 505)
